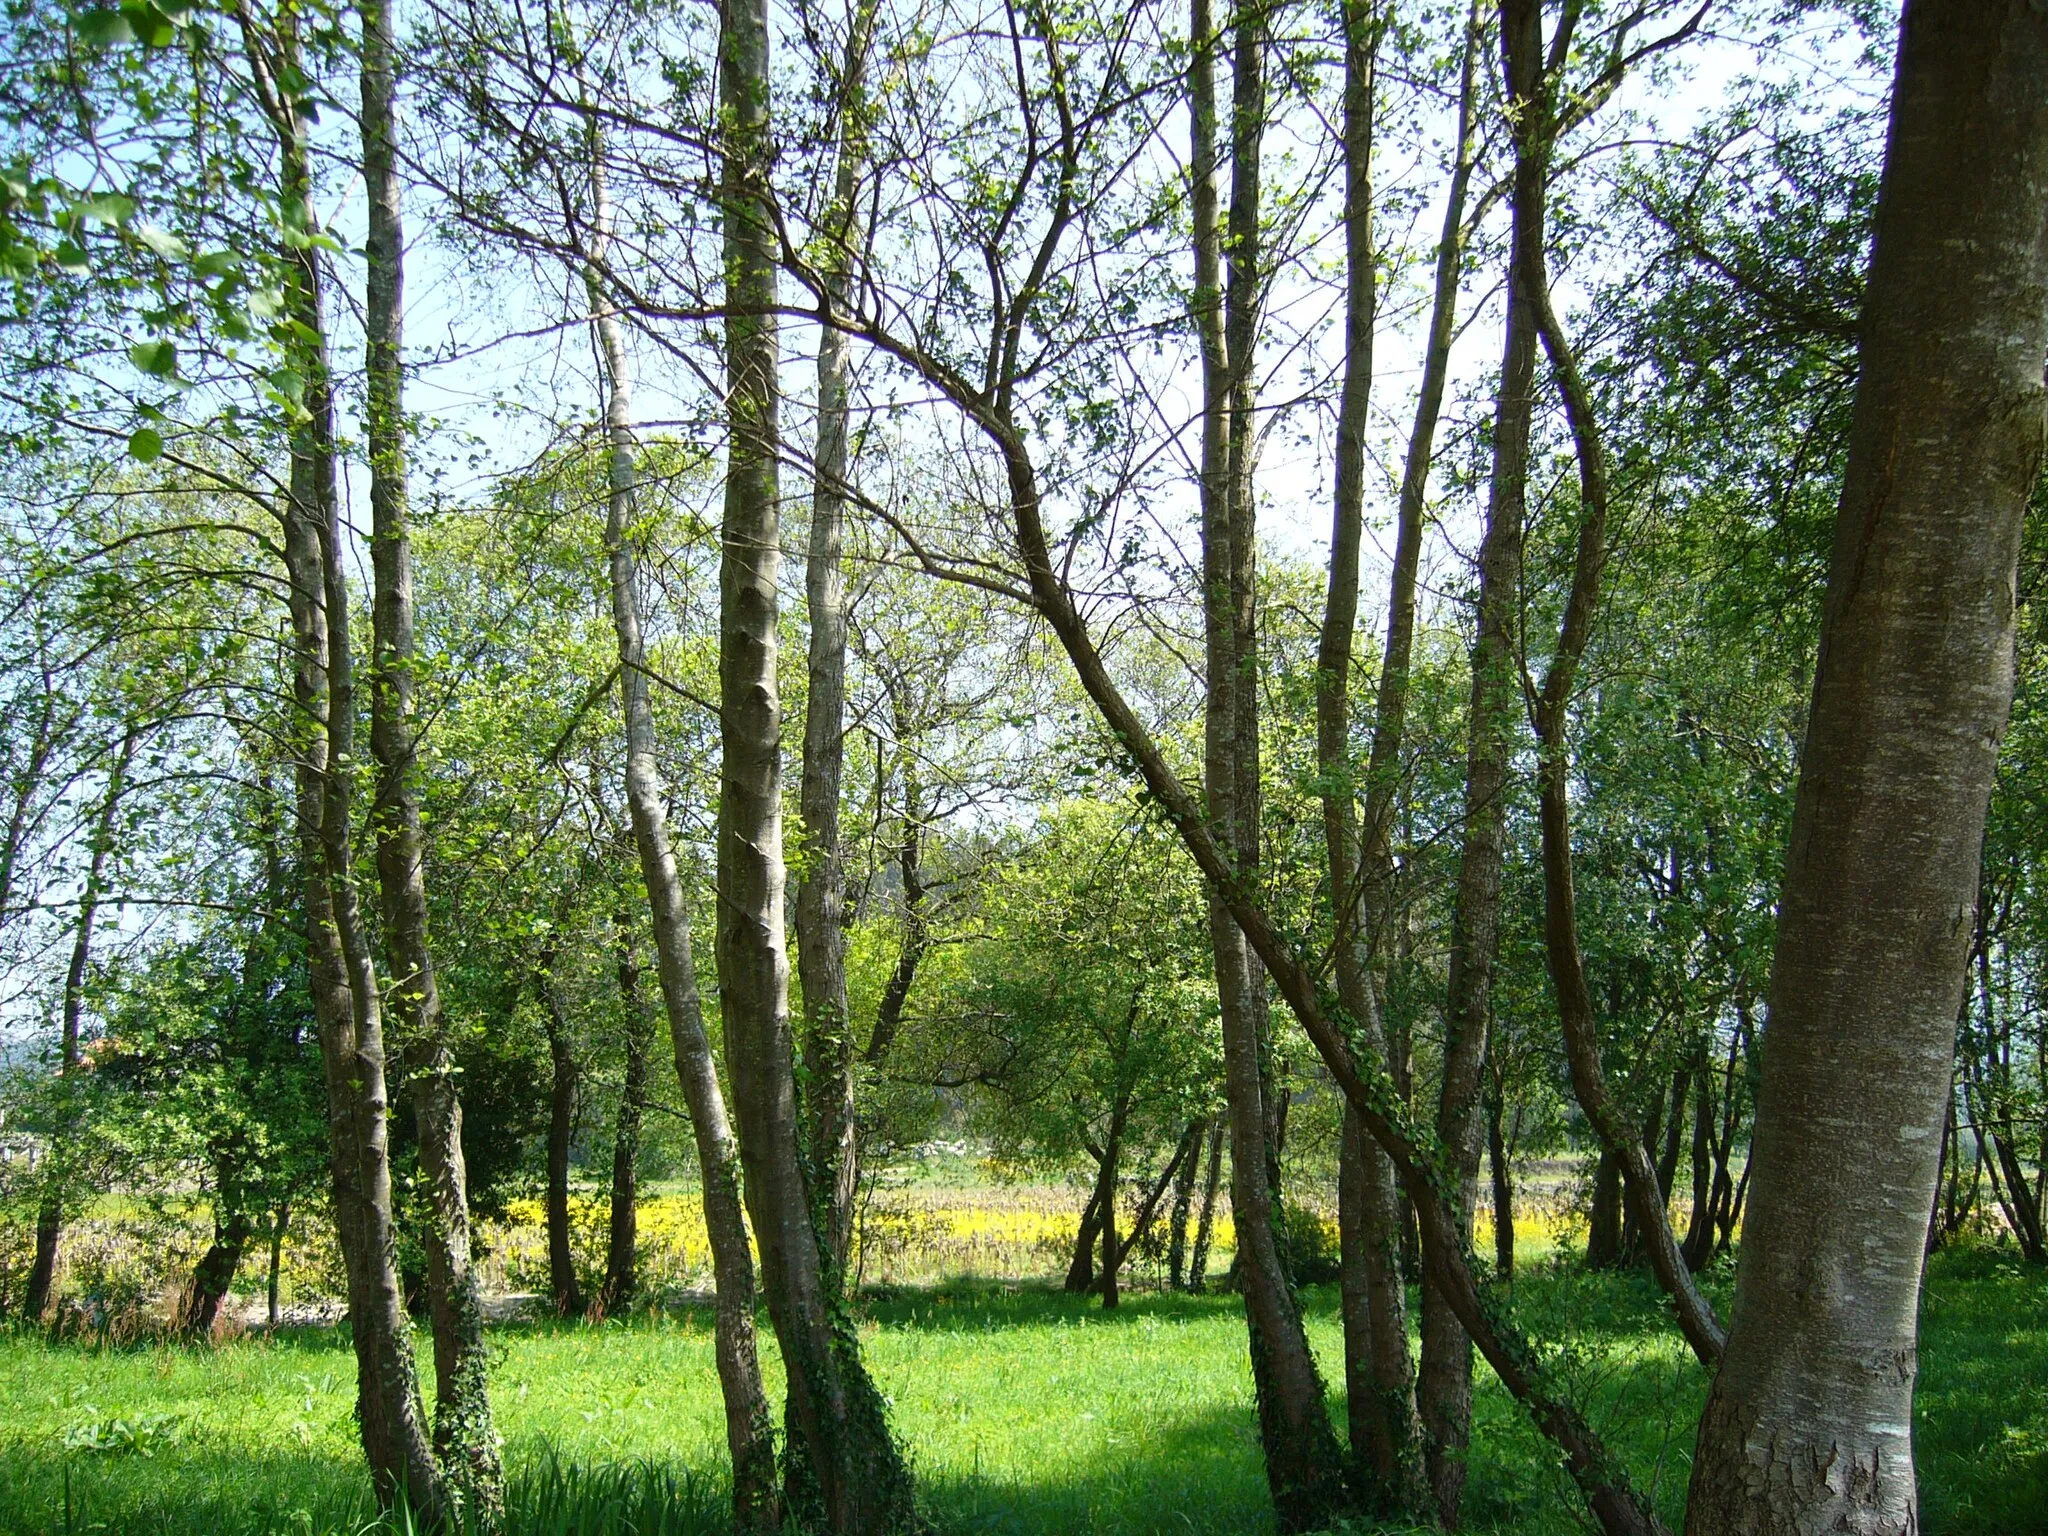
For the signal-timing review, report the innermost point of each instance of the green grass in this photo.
(1024, 1411)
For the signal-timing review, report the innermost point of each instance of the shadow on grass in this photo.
(1032, 1413)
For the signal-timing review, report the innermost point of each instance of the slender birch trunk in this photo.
(1808, 1427)
(464, 1437)
(749, 1428)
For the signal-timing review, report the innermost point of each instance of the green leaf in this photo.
(163, 242)
(145, 445)
(158, 359)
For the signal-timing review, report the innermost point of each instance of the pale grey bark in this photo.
(749, 1428)
(1808, 1428)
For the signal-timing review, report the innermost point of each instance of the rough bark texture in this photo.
(1303, 1466)
(341, 976)
(1445, 1391)
(749, 1429)
(463, 1434)
(830, 1125)
(862, 1481)
(1379, 1378)
(1808, 1427)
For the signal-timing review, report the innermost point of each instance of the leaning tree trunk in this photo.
(463, 1434)
(42, 1274)
(215, 1272)
(830, 1124)
(1809, 1424)
(863, 1483)
(749, 1429)
(1303, 1466)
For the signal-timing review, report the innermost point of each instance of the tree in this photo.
(1808, 1424)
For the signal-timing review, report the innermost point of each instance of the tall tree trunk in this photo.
(1379, 1381)
(1503, 1185)
(828, 1050)
(1205, 1223)
(1698, 1247)
(463, 1434)
(1183, 1206)
(42, 1274)
(1809, 1424)
(1445, 1389)
(749, 1429)
(621, 1274)
(863, 1482)
(564, 1078)
(1303, 1466)
(342, 977)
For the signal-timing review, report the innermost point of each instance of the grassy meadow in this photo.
(1024, 1410)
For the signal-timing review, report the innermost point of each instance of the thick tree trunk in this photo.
(1303, 1466)
(621, 1273)
(828, 1050)
(1809, 1424)
(863, 1482)
(1081, 1271)
(749, 1429)
(564, 1078)
(463, 1434)
(42, 1274)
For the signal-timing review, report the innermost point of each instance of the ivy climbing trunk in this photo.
(563, 1078)
(1808, 1427)
(342, 978)
(863, 1484)
(464, 1437)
